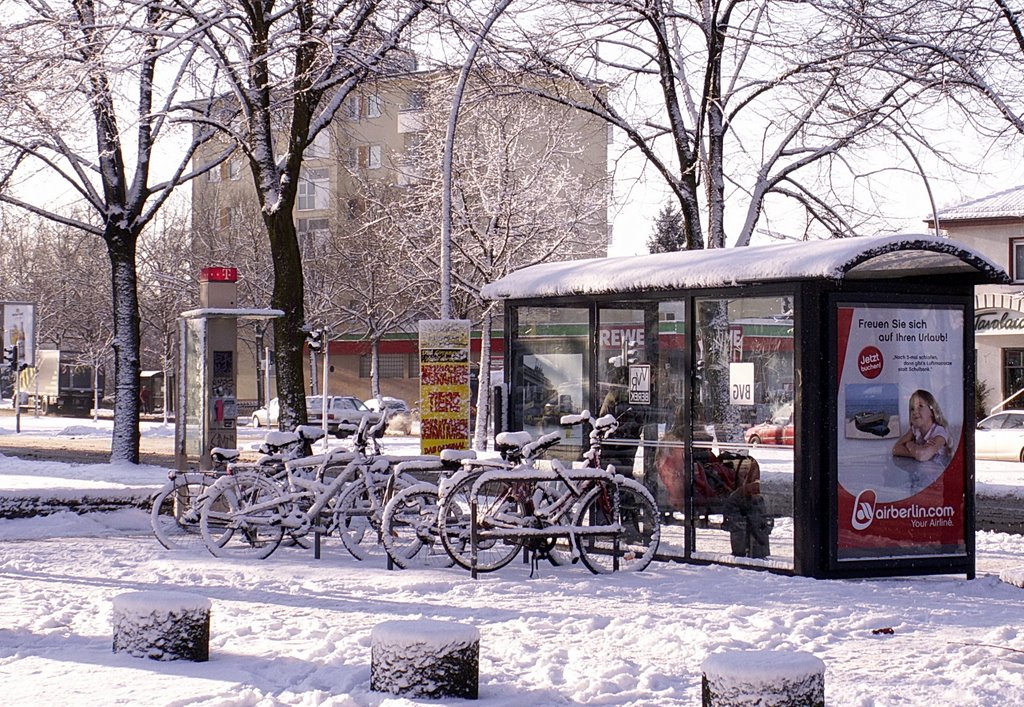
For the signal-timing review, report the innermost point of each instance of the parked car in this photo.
(1001, 436)
(400, 417)
(344, 413)
(267, 415)
(778, 429)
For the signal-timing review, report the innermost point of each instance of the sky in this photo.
(292, 630)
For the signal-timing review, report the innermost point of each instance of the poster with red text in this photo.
(444, 385)
(900, 462)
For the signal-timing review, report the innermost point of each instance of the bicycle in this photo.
(175, 508)
(456, 498)
(614, 525)
(409, 524)
(253, 512)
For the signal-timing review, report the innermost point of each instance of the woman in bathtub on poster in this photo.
(927, 439)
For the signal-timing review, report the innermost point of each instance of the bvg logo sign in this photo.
(863, 510)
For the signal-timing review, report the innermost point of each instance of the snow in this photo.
(291, 630)
(155, 601)
(835, 259)
(762, 666)
(435, 635)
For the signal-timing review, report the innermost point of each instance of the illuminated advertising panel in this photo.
(900, 446)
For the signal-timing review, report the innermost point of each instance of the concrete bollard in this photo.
(162, 625)
(764, 678)
(432, 659)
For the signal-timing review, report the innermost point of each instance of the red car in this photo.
(777, 430)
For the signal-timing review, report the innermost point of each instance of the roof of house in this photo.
(1004, 204)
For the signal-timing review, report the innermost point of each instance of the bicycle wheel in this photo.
(631, 549)
(409, 529)
(241, 517)
(174, 515)
(493, 499)
(359, 510)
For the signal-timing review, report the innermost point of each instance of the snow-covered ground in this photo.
(292, 630)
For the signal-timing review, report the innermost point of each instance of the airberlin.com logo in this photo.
(869, 361)
(866, 510)
(863, 510)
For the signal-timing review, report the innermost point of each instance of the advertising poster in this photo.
(900, 432)
(444, 385)
(19, 319)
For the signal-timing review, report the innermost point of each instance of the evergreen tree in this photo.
(669, 234)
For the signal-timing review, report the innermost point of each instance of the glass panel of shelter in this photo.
(550, 372)
(742, 442)
(742, 416)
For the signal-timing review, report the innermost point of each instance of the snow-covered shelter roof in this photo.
(863, 258)
(1008, 203)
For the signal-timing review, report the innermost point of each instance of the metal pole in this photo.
(323, 398)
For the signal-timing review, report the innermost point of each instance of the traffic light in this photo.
(315, 339)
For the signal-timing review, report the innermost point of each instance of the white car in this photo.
(1001, 436)
(344, 413)
(400, 417)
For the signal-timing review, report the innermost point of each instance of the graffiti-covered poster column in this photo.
(900, 446)
(444, 385)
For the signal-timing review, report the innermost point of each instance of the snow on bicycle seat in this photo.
(457, 455)
(511, 442)
(309, 432)
(276, 440)
(224, 454)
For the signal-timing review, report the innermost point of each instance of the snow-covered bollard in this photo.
(425, 659)
(766, 678)
(162, 625)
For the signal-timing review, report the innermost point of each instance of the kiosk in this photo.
(805, 408)
(207, 410)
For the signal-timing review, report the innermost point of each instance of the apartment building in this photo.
(383, 148)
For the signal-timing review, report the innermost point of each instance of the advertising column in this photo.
(444, 385)
(900, 461)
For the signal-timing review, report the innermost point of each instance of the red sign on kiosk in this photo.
(218, 275)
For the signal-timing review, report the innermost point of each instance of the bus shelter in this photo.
(804, 408)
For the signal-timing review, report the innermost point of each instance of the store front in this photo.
(999, 334)
(763, 392)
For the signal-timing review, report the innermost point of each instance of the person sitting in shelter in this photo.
(726, 483)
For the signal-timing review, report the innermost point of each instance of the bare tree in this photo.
(736, 106)
(284, 72)
(75, 73)
(526, 189)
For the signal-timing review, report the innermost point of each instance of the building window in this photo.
(374, 157)
(214, 174)
(311, 225)
(320, 147)
(353, 208)
(389, 365)
(313, 190)
(1013, 376)
(373, 106)
(353, 107)
(1017, 259)
(235, 170)
(417, 100)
